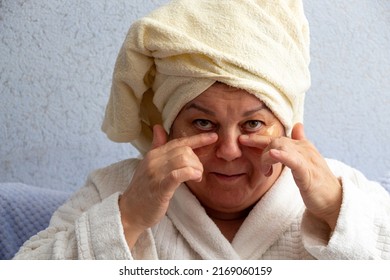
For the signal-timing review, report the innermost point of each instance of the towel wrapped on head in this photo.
(175, 53)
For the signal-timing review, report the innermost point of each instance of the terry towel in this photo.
(172, 55)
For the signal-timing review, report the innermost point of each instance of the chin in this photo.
(225, 199)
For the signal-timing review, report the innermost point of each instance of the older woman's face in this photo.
(232, 179)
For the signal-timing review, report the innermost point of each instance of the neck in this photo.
(227, 216)
(228, 223)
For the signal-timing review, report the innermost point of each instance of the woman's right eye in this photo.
(203, 124)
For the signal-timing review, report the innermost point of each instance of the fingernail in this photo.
(244, 137)
(198, 173)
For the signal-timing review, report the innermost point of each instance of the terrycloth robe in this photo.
(88, 226)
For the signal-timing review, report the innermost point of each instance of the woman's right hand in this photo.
(158, 175)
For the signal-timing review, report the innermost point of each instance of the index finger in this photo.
(193, 141)
(255, 141)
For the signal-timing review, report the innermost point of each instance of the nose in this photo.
(228, 148)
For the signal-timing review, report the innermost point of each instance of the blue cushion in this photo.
(24, 211)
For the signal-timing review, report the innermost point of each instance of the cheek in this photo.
(205, 153)
(178, 132)
(252, 158)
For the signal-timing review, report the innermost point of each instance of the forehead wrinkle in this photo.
(254, 111)
(200, 108)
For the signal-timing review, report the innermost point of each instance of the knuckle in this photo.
(278, 142)
(174, 176)
(178, 176)
(180, 161)
(185, 153)
(188, 150)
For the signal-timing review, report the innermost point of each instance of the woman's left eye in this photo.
(252, 125)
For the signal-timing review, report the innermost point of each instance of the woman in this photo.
(211, 93)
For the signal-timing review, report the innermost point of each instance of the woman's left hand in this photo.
(320, 189)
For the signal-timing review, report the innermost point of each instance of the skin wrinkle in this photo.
(228, 162)
(230, 111)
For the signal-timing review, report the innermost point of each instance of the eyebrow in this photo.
(212, 113)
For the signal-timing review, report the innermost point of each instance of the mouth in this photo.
(227, 177)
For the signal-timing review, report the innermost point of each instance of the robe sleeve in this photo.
(363, 226)
(88, 225)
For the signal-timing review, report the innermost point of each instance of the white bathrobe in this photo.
(88, 226)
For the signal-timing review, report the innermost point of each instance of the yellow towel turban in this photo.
(175, 53)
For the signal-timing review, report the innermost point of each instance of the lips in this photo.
(227, 176)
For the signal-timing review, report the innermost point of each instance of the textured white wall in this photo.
(347, 107)
(56, 61)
